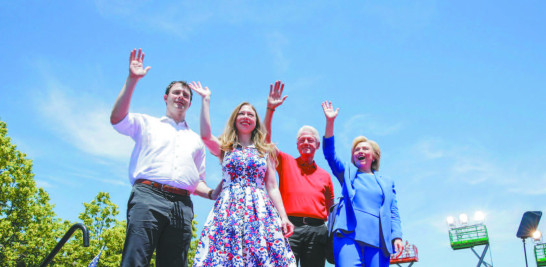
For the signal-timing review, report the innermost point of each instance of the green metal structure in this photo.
(540, 254)
(468, 236)
(471, 236)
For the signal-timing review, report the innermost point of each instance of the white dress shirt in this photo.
(165, 151)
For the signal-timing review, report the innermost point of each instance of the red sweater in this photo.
(305, 191)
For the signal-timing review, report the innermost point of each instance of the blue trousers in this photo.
(349, 252)
(160, 221)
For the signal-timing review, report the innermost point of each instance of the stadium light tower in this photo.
(463, 235)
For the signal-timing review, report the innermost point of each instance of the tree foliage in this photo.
(28, 226)
(105, 233)
(194, 242)
(29, 229)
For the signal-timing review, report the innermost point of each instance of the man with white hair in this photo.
(306, 189)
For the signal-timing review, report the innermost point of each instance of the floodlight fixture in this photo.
(479, 217)
(463, 219)
(527, 227)
(537, 235)
(450, 221)
(529, 223)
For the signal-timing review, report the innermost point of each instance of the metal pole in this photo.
(481, 258)
(525, 252)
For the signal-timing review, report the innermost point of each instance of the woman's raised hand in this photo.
(196, 87)
(329, 111)
(275, 98)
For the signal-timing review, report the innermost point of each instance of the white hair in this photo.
(310, 129)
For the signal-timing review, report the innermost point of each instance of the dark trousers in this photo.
(160, 221)
(308, 244)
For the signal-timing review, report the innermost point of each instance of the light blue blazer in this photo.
(363, 221)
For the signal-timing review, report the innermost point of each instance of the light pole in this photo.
(463, 235)
(527, 227)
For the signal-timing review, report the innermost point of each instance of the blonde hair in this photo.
(375, 148)
(229, 139)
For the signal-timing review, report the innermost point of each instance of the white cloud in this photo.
(24, 146)
(303, 85)
(179, 18)
(404, 19)
(367, 125)
(471, 165)
(466, 164)
(55, 180)
(59, 179)
(44, 184)
(276, 41)
(114, 174)
(119, 7)
(428, 149)
(82, 121)
(473, 170)
(528, 184)
(182, 18)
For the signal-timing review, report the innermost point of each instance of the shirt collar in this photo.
(172, 122)
(304, 165)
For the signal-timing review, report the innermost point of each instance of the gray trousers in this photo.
(160, 221)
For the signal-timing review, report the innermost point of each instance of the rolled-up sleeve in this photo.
(130, 125)
(199, 160)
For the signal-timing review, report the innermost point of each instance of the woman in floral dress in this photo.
(246, 225)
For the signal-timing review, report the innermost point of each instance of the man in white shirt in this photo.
(167, 165)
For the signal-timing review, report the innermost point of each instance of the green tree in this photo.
(28, 227)
(105, 233)
(194, 242)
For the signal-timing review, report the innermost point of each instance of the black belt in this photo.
(305, 221)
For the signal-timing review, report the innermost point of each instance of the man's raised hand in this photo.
(136, 69)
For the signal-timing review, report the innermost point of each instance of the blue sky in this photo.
(453, 92)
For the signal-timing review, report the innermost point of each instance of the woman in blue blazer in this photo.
(367, 226)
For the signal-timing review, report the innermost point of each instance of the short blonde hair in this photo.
(229, 139)
(375, 148)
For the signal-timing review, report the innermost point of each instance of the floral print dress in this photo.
(244, 228)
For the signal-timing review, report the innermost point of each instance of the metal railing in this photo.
(65, 238)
